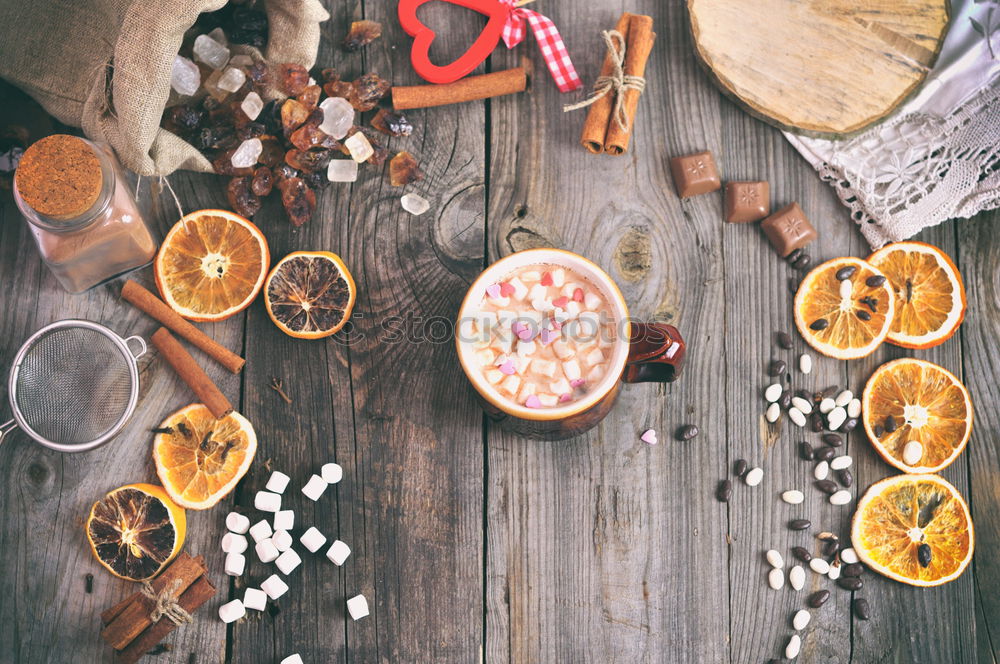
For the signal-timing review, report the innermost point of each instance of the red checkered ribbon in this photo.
(547, 36)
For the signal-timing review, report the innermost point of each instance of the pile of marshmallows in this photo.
(275, 545)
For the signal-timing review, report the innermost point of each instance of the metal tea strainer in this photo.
(73, 385)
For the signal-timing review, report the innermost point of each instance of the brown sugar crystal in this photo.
(695, 174)
(59, 176)
(788, 229)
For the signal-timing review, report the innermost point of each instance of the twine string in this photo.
(165, 604)
(617, 83)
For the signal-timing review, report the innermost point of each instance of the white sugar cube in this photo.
(292, 659)
(314, 488)
(338, 116)
(282, 540)
(274, 586)
(520, 290)
(545, 367)
(284, 520)
(538, 292)
(342, 170)
(237, 523)
(313, 539)
(595, 356)
(332, 472)
(357, 606)
(338, 553)
(548, 400)
(558, 277)
(571, 369)
(278, 482)
(255, 599)
(592, 301)
(233, 543)
(260, 531)
(510, 384)
(562, 351)
(232, 611)
(288, 561)
(359, 147)
(236, 563)
(266, 551)
(266, 501)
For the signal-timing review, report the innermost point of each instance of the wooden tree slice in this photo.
(823, 66)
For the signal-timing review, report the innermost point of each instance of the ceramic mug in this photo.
(641, 352)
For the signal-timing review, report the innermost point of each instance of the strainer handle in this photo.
(142, 346)
(6, 428)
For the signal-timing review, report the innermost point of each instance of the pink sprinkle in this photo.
(565, 397)
(532, 402)
(525, 333)
(561, 302)
(576, 382)
(507, 368)
(506, 289)
(517, 327)
(578, 295)
(547, 337)
(649, 437)
(493, 291)
(546, 279)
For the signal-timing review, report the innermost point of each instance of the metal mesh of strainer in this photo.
(74, 384)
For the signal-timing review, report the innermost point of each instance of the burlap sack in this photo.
(104, 65)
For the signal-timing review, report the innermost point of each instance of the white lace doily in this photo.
(938, 156)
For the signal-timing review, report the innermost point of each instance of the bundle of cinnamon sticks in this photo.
(602, 132)
(129, 627)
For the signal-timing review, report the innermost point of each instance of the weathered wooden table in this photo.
(470, 543)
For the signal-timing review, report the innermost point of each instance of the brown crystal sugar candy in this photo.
(292, 79)
(263, 181)
(403, 170)
(293, 115)
(392, 123)
(241, 196)
(298, 200)
(368, 89)
(361, 34)
(695, 174)
(309, 96)
(309, 160)
(59, 176)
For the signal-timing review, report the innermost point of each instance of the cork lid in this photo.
(59, 176)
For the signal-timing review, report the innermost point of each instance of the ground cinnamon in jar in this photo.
(84, 220)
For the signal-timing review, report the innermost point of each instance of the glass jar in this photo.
(84, 220)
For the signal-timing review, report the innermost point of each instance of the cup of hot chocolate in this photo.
(545, 338)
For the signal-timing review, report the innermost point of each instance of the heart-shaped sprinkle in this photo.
(533, 402)
(576, 382)
(506, 289)
(546, 279)
(508, 368)
(493, 291)
(547, 337)
(565, 397)
(525, 333)
(578, 295)
(649, 437)
(561, 302)
(517, 326)
(556, 325)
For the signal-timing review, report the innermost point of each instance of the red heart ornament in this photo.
(423, 36)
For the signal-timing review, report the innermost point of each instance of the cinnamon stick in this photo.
(153, 306)
(595, 127)
(638, 46)
(190, 600)
(123, 625)
(469, 88)
(196, 378)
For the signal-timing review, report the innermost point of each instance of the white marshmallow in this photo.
(284, 520)
(595, 356)
(485, 357)
(261, 531)
(538, 292)
(357, 606)
(510, 384)
(562, 351)
(266, 501)
(531, 276)
(314, 488)
(288, 561)
(573, 309)
(292, 659)
(266, 551)
(274, 586)
(338, 553)
(232, 611)
(331, 473)
(282, 540)
(494, 376)
(520, 290)
(570, 288)
(560, 387)
(236, 563)
(590, 325)
(526, 347)
(237, 523)
(313, 539)
(571, 369)
(255, 599)
(278, 482)
(558, 277)
(592, 301)
(596, 373)
(548, 400)
(545, 367)
(233, 543)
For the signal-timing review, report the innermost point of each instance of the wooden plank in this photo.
(395, 414)
(602, 545)
(48, 495)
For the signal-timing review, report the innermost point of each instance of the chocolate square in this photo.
(747, 201)
(695, 174)
(788, 229)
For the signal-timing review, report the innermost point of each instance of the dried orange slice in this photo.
(844, 308)
(310, 294)
(211, 265)
(200, 458)
(928, 406)
(930, 295)
(136, 530)
(914, 528)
